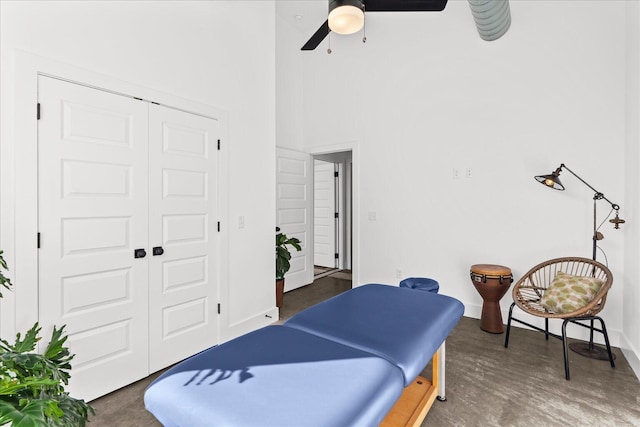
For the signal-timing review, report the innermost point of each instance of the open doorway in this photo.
(332, 221)
(295, 212)
(332, 236)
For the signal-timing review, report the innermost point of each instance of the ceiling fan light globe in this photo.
(346, 19)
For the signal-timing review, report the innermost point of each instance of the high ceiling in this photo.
(304, 15)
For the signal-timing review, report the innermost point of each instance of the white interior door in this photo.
(294, 211)
(183, 286)
(93, 213)
(324, 208)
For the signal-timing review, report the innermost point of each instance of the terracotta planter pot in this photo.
(279, 292)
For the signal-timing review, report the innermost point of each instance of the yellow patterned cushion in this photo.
(569, 293)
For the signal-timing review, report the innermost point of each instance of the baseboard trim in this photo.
(250, 324)
(631, 354)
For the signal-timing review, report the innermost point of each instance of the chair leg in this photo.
(566, 349)
(606, 340)
(506, 337)
(546, 328)
(591, 334)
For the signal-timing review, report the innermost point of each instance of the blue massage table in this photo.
(353, 360)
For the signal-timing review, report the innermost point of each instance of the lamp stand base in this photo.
(595, 352)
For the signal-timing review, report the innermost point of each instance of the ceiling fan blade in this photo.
(404, 5)
(317, 37)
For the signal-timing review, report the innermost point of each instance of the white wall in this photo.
(216, 53)
(426, 95)
(289, 78)
(631, 314)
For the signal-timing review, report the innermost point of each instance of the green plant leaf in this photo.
(59, 356)
(31, 415)
(3, 263)
(76, 411)
(32, 385)
(5, 282)
(295, 242)
(56, 351)
(29, 342)
(283, 255)
(29, 383)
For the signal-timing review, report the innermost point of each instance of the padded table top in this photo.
(276, 376)
(405, 326)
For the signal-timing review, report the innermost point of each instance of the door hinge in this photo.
(335, 215)
(218, 308)
(218, 145)
(336, 256)
(38, 111)
(38, 236)
(218, 225)
(335, 174)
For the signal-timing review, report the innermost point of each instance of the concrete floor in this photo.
(487, 385)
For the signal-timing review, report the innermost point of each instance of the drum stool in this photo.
(492, 282)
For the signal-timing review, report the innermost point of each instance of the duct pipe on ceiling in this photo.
(493, 17)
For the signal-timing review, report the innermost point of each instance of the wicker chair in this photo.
(529, 289)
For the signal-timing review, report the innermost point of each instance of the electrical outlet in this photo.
(398, 273)
(469, 172)
(372, 216)
(455, 173)
(241, 222)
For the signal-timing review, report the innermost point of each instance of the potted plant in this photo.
(282, 261)
(32, 384)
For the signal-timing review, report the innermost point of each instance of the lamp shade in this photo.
(551, 181)
(346, 16)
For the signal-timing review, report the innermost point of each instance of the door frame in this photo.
(19, 170)
(352, 146)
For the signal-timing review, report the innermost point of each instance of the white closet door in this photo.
(93, 213)
(324, 219)
(183, 204)
(294, 211)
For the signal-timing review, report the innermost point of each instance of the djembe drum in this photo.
(491, 282)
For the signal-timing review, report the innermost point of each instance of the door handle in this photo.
(139, 253)
(158, 251)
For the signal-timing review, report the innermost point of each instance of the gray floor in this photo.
(487, 385)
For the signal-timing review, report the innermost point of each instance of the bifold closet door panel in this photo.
(183, 206)
(93, 214)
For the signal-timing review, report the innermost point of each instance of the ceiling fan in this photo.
(347, 16)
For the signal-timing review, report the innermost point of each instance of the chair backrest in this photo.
(528, 290)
